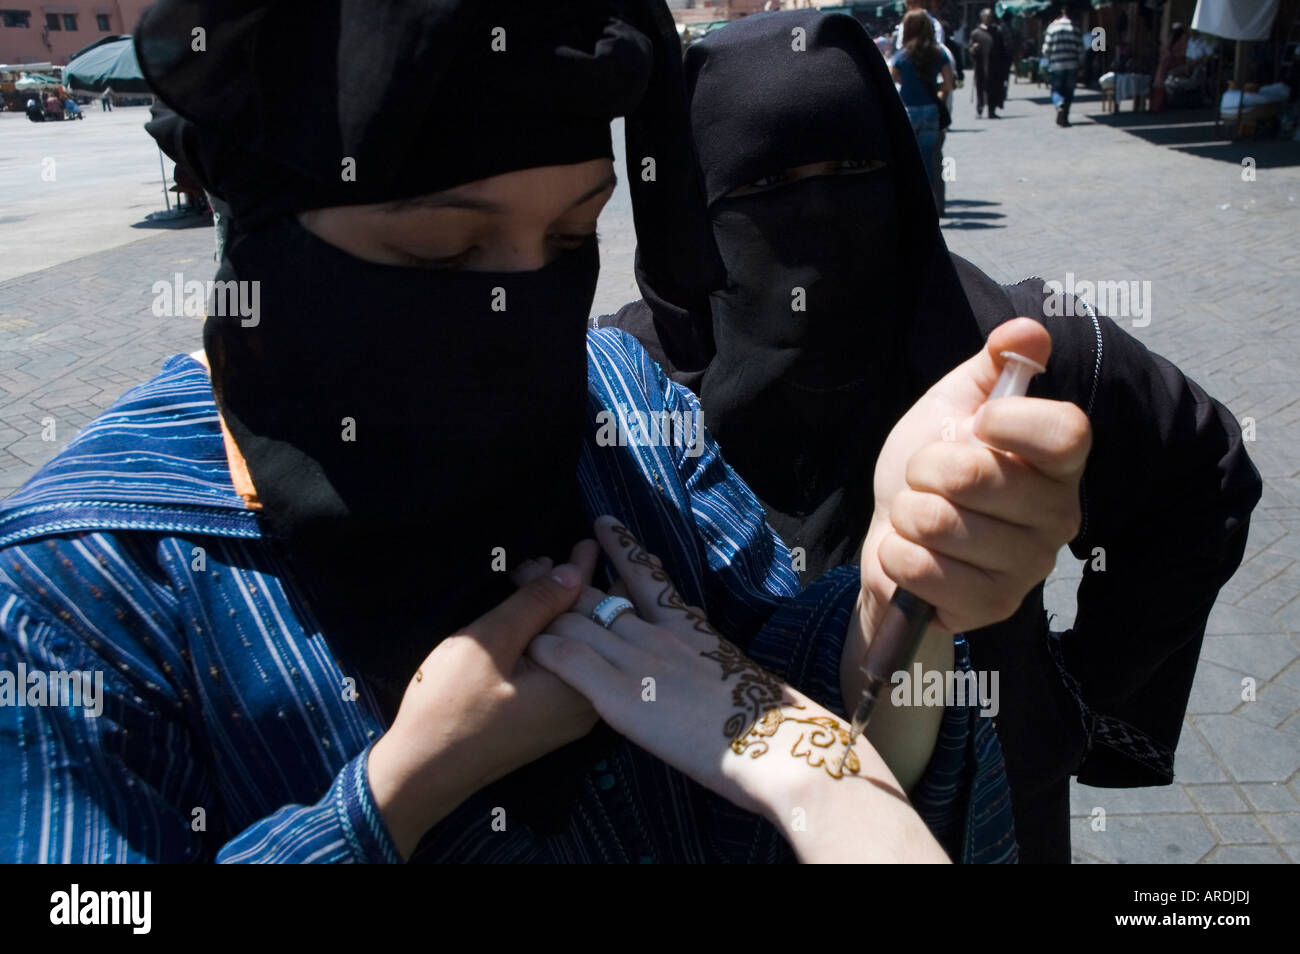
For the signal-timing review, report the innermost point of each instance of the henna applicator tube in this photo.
(907, 616)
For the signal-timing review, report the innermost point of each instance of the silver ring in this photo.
(610, 609)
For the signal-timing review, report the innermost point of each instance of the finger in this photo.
(581, 667)
(627, 625)
(649, 588)
(1053, 436)
(504, 630)
(584, 556)
(1024, 336)
(942, 527)
(530, 570)
(996, 485)
(615, 649)
(964, 597)
(537, 685)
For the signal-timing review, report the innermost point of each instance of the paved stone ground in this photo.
(1152, 198)
(1128, 197)
(74, 188)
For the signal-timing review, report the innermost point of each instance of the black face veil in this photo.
(410, 433)
(841, 304)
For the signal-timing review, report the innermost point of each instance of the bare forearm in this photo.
(858, 817)
(904, 735)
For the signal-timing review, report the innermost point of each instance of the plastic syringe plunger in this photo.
(1015, 376)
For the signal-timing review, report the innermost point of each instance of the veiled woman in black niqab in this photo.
(842, 305)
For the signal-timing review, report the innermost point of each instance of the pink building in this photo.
(32, 32)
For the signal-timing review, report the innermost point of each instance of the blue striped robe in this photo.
(228, 731)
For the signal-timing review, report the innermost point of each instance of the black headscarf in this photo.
(801, 400)
(408, 439)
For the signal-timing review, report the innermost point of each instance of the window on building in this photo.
(16, 18)
(69, 21)
(52, 22)
(101, 21)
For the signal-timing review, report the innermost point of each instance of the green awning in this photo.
(108, 62)
(35, 81)
(704, 29)
(1020, 8)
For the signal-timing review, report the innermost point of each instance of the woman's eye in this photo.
(459, 260)
(860, 165)
(561, 242)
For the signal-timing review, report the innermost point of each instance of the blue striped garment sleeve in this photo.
(343, 827)
(750, 570)
(124, 785)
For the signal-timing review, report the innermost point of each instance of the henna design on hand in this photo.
(758, 694)
(668, 597)
(760, 697)
(821, 733)
(824, 732)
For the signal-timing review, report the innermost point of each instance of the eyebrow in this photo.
(453, 201)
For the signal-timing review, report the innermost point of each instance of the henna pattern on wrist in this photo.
(824, 732)
(814, 744)
(758, 695)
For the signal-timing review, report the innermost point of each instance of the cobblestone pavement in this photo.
(1149, 198)
(71, 189)
(1123, 197)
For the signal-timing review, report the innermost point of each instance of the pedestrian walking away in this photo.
(992, 64)
(1063, 47)
(924, 79)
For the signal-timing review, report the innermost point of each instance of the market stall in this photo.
(1245, 108)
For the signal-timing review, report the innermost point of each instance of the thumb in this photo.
(506, 630)
(971, 382)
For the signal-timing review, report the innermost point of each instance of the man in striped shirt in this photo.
(1063, 46)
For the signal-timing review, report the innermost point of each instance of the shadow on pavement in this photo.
(1175, 135)
(1192, 131)
(963, 218)
(1081, 97)
(1268, 154)
(1169, 117)
(161, 220)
